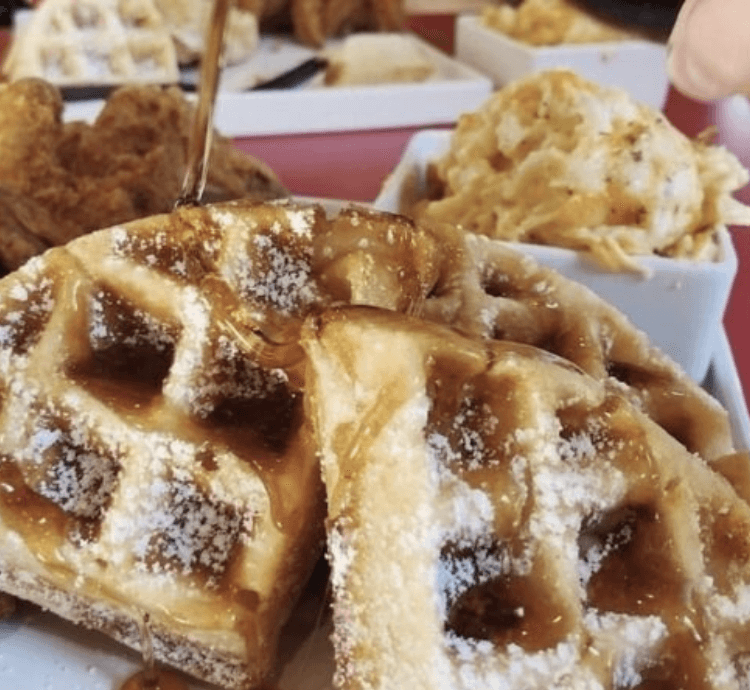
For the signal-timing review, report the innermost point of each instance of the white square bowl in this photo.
(638, 66)
(680, 303)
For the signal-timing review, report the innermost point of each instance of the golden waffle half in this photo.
(156, 457)
(93, 42)
(485, 288)
(499, 519)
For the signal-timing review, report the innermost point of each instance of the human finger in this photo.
(709, 50)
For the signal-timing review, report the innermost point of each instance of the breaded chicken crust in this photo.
(59, 180)
(312, 21)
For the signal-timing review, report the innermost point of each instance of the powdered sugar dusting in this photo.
(24, 317)
(70, 468)
(463, 441)
(466, 564)
(280, 278)
(539, 570)
(192, 531)
(268, 260)
(113, 321)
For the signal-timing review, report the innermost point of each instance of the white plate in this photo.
(680, 305)
(454, 88)
(639, 67)
(41, 652)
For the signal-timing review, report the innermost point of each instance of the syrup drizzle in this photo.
(155, 679)
(150, 677)
(199, 145)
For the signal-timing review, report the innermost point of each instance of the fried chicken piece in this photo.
(61, 180)
(389, 14)
(30, 128)
(23, 226)
(308, 21)
(313, 21)
(264, 9)
(340, 13)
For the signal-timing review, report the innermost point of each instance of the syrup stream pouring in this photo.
(199, 145)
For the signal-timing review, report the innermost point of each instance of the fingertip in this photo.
(689, 75)
(706, 56)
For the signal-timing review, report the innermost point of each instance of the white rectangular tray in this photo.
(46, 653)
(454, 88)
(638, 66)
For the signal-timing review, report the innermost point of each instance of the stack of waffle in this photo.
(521, 491)
(94, 42)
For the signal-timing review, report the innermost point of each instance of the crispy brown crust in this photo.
(307, 19)
(338, 13)
(212, 665)
(313, 21)
(389, 14)
(60, 180)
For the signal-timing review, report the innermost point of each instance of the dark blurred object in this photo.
(7, 605)
(8, 9)
(655, 17)
(293, 77)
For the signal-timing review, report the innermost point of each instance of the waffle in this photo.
(486, 289)
(94, 42)
(497, 518)
(155, 455)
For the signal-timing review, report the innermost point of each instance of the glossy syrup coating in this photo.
(154, 680)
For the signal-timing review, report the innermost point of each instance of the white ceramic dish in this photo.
(639, 67)
(41, 652)
(680, 304)
(453, 89)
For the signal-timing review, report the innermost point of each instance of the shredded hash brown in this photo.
(555, 159)
(552, 22)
